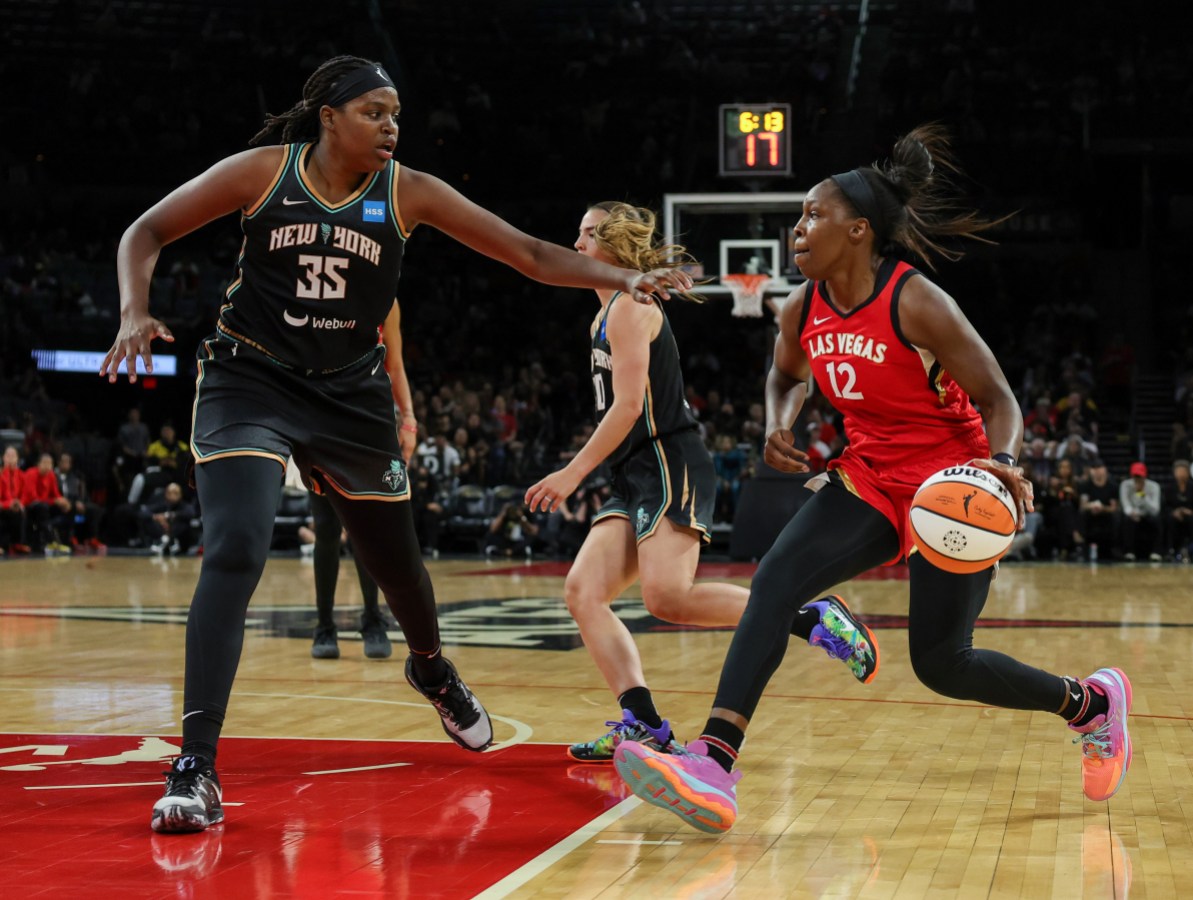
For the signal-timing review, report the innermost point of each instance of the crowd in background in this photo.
(500, 364)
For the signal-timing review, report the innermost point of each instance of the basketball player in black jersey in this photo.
(295, 369)
(652, 526)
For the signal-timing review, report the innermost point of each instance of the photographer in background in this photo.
(512, 532)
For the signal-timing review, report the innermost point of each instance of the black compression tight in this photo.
(238, 497)
(327, 563)
(834, 537)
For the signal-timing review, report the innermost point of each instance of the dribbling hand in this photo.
(133, 340)
(659, 283)
(1022, 490)
(782, 454)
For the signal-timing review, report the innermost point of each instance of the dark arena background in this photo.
(1076, 119)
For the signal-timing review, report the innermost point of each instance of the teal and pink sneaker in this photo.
(845, 637)
(685, 781)
(628, 729)
(1105, 744)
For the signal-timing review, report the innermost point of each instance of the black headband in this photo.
(856, 187)
(359, 81)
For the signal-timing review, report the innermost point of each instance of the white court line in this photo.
(646, 843)
(552, 855)
(358, 769)
(77, 787)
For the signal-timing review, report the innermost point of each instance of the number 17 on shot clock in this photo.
(755, 139)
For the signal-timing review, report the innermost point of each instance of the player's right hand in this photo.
(782, 454)
(136, 333)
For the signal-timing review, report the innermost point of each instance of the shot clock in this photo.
(755, 139)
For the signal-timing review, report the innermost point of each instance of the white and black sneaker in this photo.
(463, 718)
(192, 801)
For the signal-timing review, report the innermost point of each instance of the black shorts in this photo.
(340, 427)
(671, 477)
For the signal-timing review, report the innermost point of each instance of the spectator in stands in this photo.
(730, 464)
(1078, 451)
(1061, 513)
(1139, 497)
(1177, 504)
(1041, 421)
(1077, 409)
(566, 528)
(12, 504)
(1099, 508)
(818, 450)
(441, 459)
(43, 501)
(1036, 451)
(166, 523)
(1179, 447)
(427, 507)
(168, 451)
(80, 525)
(133, 440)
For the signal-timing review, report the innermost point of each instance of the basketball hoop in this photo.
(747, 293)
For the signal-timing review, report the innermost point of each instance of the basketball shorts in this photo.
(670, 477)
(339, 427)
(890, 489)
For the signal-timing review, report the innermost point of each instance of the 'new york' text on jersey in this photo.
(315, 279)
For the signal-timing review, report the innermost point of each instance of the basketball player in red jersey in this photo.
(900, 361)
(664, 486)
(295, 369)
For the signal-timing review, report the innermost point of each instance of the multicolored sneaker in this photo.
(685, 781)
(628, 729)
(1105, 744)
(845, 637)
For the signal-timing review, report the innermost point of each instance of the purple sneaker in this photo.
(628, 729)
(685, 781)
(845, 637)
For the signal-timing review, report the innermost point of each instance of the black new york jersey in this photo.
(314, 279)
(665, 411)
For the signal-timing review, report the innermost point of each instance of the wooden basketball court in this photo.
(339, 781)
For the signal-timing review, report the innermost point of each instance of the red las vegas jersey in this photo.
(905, 417)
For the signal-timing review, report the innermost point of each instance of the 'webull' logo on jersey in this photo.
(346, 239)
(601, 360)
(332, 324)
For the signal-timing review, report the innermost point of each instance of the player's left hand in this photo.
(1022, 491)
(407, 442)
(549, 493)
(658, 283)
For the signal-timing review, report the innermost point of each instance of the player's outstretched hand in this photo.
(782, 454)
(659, 283)
(1022, 490)
(136, 334)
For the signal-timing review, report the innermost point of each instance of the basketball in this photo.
(963, 519)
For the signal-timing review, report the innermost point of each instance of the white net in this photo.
(747, 293)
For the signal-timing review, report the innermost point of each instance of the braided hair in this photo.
(915, 193)
(301, 121)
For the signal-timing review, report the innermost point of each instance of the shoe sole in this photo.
(1124, 684)
(601, 761)
(869, 636)
(662, 786)
(333, 653)
(176, 820)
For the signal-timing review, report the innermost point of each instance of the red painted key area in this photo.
(448, 823)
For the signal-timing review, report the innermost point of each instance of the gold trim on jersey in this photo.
(252, 210)
(228, 454)
(363, 495)
(403, 231)
(300, 170)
